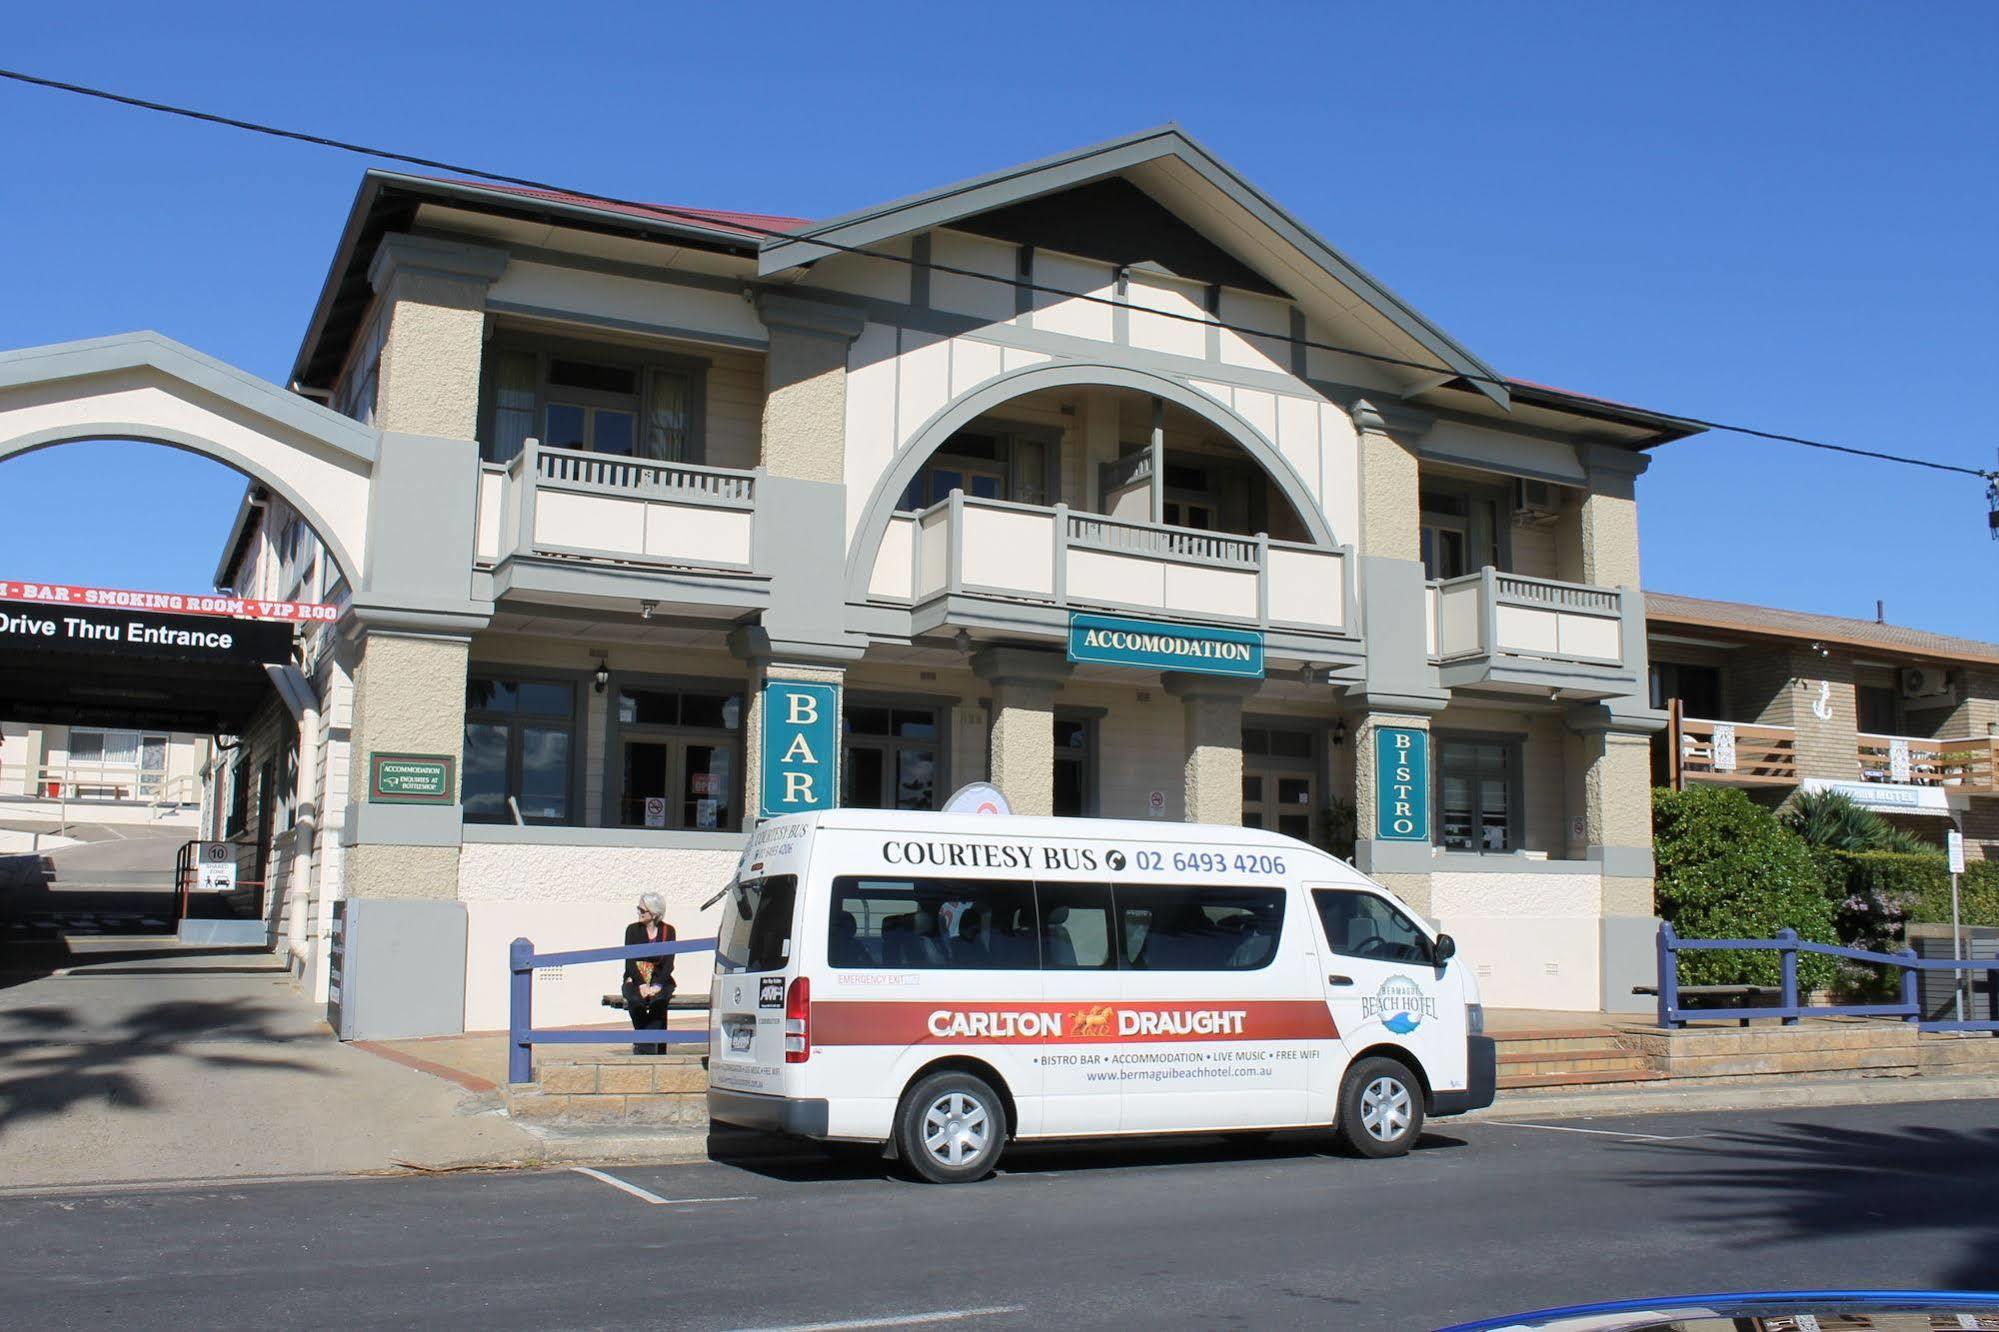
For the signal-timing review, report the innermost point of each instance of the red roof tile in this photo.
(754, 225)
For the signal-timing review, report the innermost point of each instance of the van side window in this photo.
(1076, 927)
(932, 925)
(1362, 925)
(1185, 929)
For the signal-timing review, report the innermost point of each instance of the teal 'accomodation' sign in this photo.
(1114, 641)
(1402, 784)
(801, 729)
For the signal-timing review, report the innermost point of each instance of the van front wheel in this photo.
(951, 1128)
(1381, 1108)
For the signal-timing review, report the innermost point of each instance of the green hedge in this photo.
(1727, 869)
(1917, 887)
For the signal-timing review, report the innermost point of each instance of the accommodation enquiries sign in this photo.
(1402, 784)
(1114, 641)
(410, 779)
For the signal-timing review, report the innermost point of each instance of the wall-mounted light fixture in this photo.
(603, 676)
(1339, 731)
(646, 608)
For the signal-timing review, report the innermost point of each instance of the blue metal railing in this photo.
(522, 1035)
(1788, 1010)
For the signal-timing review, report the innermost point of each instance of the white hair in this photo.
(654, 903)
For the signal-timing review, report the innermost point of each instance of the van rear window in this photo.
(756, 925)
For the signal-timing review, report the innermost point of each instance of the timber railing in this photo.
(1787, 945)
(523, 1035)
(1736, 753)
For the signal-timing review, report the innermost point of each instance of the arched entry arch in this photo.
(144, 387)
(1002, 389)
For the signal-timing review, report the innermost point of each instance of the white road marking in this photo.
(898, 1320)
(1601, 1133)
(645, 1195)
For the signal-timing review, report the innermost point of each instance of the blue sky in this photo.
(1774, 213)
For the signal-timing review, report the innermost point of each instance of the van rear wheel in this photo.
(1381, 1108)
(951, 1128)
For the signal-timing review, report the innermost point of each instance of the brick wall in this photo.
(1827, 748)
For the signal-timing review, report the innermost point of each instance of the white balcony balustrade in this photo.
(1507, 627)
(591, 506)
(1002, 551)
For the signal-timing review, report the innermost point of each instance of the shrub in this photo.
(1727, 869)
(1917, 888)
(1831, 820)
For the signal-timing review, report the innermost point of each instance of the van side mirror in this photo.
(1445, 949)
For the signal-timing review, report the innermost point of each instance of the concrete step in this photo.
(1528, 1081)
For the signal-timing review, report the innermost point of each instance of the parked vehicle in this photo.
(942, 984)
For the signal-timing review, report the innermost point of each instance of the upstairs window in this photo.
(598, 400)
(985, 464)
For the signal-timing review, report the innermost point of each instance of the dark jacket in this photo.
(662, 971)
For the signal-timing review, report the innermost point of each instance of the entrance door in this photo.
(1384, 986)
(1280, 777)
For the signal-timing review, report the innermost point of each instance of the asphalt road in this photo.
(1483, 1219)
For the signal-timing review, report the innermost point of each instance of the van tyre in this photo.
(951, 1128)
(1381, 1108)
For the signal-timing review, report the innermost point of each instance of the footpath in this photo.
(133, 1061)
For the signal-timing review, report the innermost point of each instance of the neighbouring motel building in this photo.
(642, 525)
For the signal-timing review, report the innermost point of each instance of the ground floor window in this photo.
(520, 749)
(676, 756)
(892, 757)
(1478, 793)
(1075, 766)
(1280, 778)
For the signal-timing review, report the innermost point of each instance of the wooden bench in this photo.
(1731, 996)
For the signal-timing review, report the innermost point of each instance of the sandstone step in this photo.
(1527, 1081)
(1541, 1042)
(1614, 1063)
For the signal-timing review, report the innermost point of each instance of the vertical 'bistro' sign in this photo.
(801, 728)
(1113, 641)
(1402, 784)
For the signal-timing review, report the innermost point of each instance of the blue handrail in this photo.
(523, 1036)
(1788, 1010)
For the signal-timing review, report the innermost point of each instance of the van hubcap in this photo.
(956, 1129)
(1384, 1109)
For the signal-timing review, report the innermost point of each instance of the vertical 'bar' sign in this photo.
(1401, 784)
(801, 732)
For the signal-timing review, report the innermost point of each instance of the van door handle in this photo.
(1339, 980)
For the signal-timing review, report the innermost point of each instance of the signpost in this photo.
(411, 779)
(216, 871)
(1954, 848)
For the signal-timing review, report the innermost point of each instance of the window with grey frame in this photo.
(1461, 528)
(520, 749)
(1280, 777)
(1075, 766)
(893, 754)
(986, 462)
(676, 756)
(600, 400)
(1478, 792)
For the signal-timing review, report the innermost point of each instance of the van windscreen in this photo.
(756, 925)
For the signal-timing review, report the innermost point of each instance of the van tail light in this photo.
(798, 1022)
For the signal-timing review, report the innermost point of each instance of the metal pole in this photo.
(520, 1011)
(1788, 958)
(1956, 950)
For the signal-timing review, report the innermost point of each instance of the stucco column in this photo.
(1213, 765)
(434, 298)
(805, 386)
(1610, 786)
(1390, 506)
(1022, 748)
(409, 698)
(1398, 853)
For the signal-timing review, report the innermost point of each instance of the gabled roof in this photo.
(1247, 208)
(1770, 622)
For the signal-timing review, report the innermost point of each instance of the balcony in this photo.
(967, 560)
(1969, 764)
(1730, 753)
(1510, 630)
(560, 507)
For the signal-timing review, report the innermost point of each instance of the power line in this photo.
(773, 233)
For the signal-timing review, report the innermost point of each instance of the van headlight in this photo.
(1475, 1019)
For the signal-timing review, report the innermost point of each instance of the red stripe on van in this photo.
(868, 1022)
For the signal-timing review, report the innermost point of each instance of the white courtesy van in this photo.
(943, 983)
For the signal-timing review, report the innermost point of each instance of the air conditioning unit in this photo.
(1924, 682)
(1535, 499)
